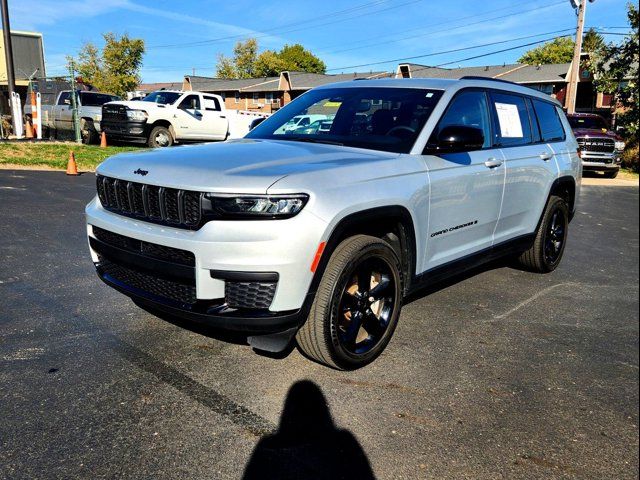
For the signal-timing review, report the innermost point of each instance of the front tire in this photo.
(160, 137)
(611, 174)
(356, 307)
(88, 132)
(551, 237)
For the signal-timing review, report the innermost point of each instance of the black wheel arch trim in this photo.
(358, 220)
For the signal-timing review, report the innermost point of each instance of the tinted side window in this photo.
(549, 122)
(468, 108)
(512, 124)
(64, 96)
(189, 100)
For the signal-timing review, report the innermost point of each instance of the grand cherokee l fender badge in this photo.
(457, 227)
(141, 172)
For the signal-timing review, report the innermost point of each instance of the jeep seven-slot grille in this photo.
(598, 145)
(168, 206)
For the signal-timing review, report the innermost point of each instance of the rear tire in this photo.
(356, 307)
(551, 237)
(160, 137)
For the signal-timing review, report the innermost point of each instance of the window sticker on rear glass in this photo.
(509, 118)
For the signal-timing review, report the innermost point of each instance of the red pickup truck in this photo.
(600, 147)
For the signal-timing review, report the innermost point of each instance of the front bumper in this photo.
(594, 161)
(221, 249)
(129, 131)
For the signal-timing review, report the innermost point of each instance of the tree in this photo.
(115, 69)
(558, 50)
(616, 70)
(297, 58)
(247, 63)
(592, 42)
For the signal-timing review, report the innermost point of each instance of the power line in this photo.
(432, 54)
(461, 60)
(277, 29)
(449, 29)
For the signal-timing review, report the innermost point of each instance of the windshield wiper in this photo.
(312, 140)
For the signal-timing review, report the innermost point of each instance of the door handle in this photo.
(493, 163)
(546, 156)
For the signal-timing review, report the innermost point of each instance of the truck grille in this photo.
(598, 145)
(166, 206)
(114, 112)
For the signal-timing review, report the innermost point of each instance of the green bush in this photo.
(630, 157)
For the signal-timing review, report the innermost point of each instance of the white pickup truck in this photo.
(57, 117)
(166, 117)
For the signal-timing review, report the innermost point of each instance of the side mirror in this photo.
(459, 138)
(256, 122)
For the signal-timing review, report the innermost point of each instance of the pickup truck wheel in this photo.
(547, 249)
(88, 132)
(160, 137)
(356, 307)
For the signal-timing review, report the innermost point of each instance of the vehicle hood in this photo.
(237, 166)
(594, 133)
(138, 104)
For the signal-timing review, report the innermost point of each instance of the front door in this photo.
(188, 117)
(466, 188)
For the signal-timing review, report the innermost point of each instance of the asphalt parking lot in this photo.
(501, 374)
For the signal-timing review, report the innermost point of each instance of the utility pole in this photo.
(574, 73)
(8, 53)
(74, 104)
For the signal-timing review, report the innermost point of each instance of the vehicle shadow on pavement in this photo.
(307, 443)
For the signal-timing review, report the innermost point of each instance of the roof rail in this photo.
(478, 77)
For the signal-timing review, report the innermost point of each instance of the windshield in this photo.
(588, 122)
(164, 98)
(387, 119)
(91, 99)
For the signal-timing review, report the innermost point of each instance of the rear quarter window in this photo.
(549, 122)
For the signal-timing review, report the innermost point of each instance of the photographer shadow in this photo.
(307, 444)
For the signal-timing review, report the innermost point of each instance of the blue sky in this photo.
(343, 34)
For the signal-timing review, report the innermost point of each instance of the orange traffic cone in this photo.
(28, 130)
(103, 140)
(72, 167)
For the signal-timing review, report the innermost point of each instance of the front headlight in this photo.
(620, 145)
(256, 207)
(137, 115)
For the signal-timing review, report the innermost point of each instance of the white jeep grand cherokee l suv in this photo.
(319, 236)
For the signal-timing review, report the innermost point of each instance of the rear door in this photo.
(466, 188)
(530, 164)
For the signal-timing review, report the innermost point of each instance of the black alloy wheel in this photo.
(365, 308)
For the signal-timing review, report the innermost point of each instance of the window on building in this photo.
(237, 97)
(256, 98)
(268, 97)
